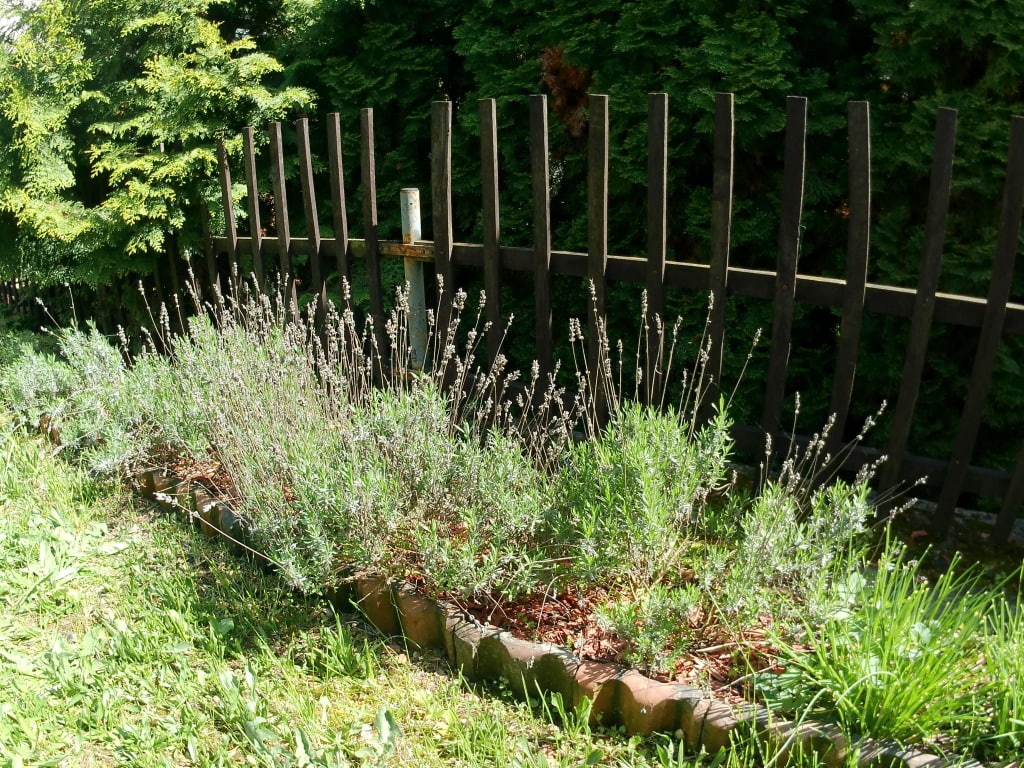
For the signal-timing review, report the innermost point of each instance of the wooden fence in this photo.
(993, 315)
(25, 300)
(11, 294)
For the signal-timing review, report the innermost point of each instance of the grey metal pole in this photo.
(412, 232)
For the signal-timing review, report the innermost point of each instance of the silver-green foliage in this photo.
(656, 623)
(631, 499)
(34, 385)
(791, 546)
(333, 475)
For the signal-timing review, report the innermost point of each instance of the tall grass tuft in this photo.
(903, 658)
(1004, 669)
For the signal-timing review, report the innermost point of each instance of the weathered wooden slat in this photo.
(1012, 501)
(858, 244)
(282, 223)
(721, 229)
(540, 261)
(309, 204)
(924, 300)
(441, 195)
(340, 216)
(255, 227)
(657, 240)
(368, 170)
(991, 330)
(491, 225)
(229, 209)
(789, 252)
(597, 241)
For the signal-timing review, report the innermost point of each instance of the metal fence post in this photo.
(412, 232)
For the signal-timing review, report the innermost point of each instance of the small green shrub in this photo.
(655, 623)
(333, 475)
(163, 409)
(789, 549)
(34, 385)
(481, 535)
(80, 399)
(630, 500)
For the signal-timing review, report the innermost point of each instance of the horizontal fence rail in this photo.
(784, 286)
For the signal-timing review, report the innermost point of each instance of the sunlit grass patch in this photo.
(131, 640)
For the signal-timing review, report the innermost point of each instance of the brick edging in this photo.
(620, 695)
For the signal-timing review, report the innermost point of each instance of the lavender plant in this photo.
(342, 454)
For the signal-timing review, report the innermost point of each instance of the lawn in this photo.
(130, 639)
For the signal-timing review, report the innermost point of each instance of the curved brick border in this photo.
(620, 695)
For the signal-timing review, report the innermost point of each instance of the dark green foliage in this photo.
(925, 56)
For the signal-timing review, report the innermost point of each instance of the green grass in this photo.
(930, 663)
(129, 639)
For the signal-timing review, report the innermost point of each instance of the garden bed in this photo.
(633, 544)
(620, 695)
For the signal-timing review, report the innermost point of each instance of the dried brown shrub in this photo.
(570, 90)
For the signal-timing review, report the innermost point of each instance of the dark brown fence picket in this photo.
(309, 206)
(282, 222)
(441, 192)
(721, 229)
(991, 329)
(795, 160)
(858, 245)
(340, 216)
(1011, 503)
(369, 186)
(925, 304)
(229, 208)
(657, 238)
(597, 239)
(255, 228)
(541, 192)
(212, 278)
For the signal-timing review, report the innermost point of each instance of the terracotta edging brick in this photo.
(620, 695)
